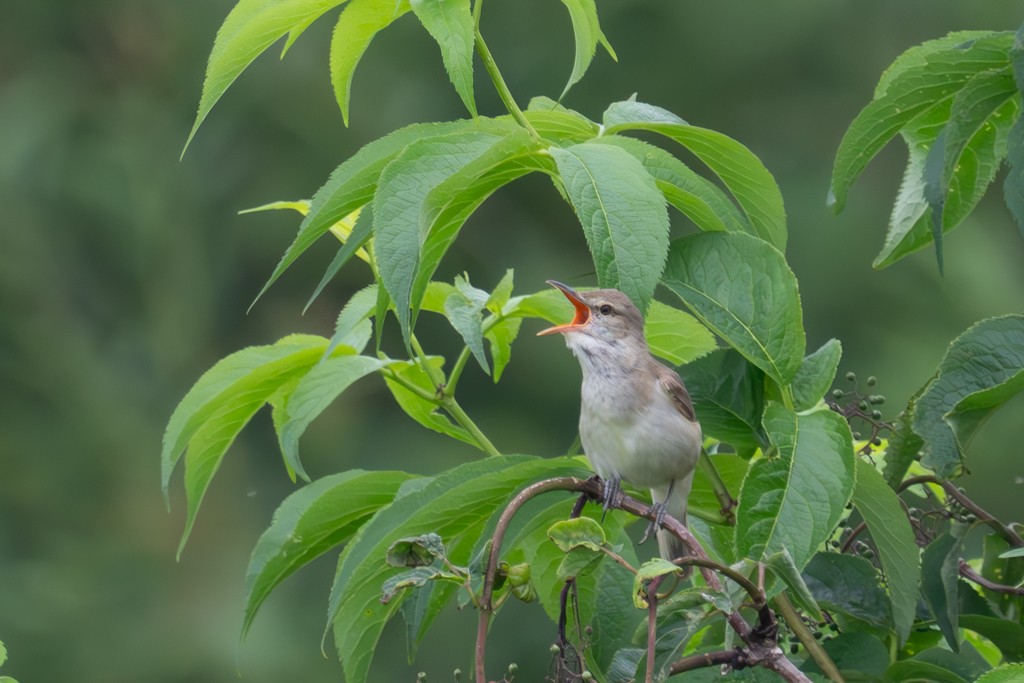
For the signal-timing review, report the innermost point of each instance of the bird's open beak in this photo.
(579, 320)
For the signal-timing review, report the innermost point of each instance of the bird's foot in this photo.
(612, 489)
(659, 516)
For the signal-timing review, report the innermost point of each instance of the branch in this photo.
(971, 575)
(735, 659)
(797, 625)
(1002, 530)
(725, 499)
(761, 646)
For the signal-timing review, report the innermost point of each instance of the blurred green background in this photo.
(125, 273)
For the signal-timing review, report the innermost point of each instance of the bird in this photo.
(637, 422)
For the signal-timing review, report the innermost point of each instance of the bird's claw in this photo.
(659, 516)
(611, 490)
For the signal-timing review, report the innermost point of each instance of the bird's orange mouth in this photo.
(579, 320)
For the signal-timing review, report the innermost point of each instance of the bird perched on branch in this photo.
(636, 419)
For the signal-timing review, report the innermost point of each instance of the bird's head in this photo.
(603, 316)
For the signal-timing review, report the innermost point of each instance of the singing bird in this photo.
(636, 419)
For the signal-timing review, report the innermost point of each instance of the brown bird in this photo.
(636, 419)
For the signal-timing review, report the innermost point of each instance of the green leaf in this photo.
(904, 445)
(917, 84)
(1013, 186)
(448, 205)
(351, 327)
(857, 655)
(939, 578)
(501, 335)
(647, 572)
(357, 239)
(398, 203)
(1015, 552)
(3, 653)
(728, 397)
(221, 403)
(694, 196)
(794, 500)
(414, 578)
(353, 183)
(968, 665)
(980, 371)
(419, 408)
(250, 28)
(675, 335)
(782, 566)
(465, 316)
(624, 665)
(623, 216)
(816, 373)
(450, 22)
(586, 30)
(358, 25)
(1007, 635)
(894, 539)
(851, 585)
(558, 124)
(1007, 673)
(579, 561)
(731, 469)
(454, 504)
(310, 522)
(742, 289)
(502, 293)
(912, 670)
(581, 532)
(416, 551)
(742, 172)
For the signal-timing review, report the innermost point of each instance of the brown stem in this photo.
(814, 648)
(857, 531)
(762, 648)
(1003, 531)
(735, 659)
(971, 575)
(652, 625)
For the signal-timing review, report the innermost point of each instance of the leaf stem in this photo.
(725, 499)
(460, 364)
(797, 625)
(459, 415)
(416, 389)
(499, 83)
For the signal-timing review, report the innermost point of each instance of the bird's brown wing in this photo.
(673, 386)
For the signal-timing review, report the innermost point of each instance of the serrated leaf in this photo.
(904, 445)
(558, 124)
(1013, 186)
(354, 243)
(349, 330)
(782, 566)
(250, 28)
(399, 200)
(930, 77)
(423, 411)
(675, 335)
(849, 584)
(1007, 673)
(736, 166)
(221, 403)
(450, 23)
(316, 390)
(794, 500)
(894, 539)
(728, 396)
(623, 216)
(456, 503)
(916, 56)
(501, 335)
(414, 578)
(466, 316)
(502, 293)
(694, 196)
(353, 183)
(358, 25)
(989, 355)
(586, 31)
(741, 288)
(310, 522)
(939, 578)
(581, 532)
(416, 551)
(816, 373)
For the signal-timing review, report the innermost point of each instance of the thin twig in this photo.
(857, 531)
(735, 659)
(797, 625)
(1002, 530)
(652, 625)
(725, 499)
(971, 575)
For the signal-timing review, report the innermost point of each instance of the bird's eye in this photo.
(605, 309)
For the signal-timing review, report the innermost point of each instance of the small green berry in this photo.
(838, 393)
(851, 377)
(876, 414)
(587, 676)
(863, 405)
(794, 648)
(554, 649)
(872, 381)
(421, 676)
(513, 667)
(458, 675)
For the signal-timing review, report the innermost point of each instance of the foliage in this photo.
(804, 485)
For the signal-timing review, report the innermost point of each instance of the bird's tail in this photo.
(669, 546)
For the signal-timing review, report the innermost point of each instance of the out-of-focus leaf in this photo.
(894, 539)
(1006, 635)
(316, 390)
(418, 408)
(904, 445)
(450, 22)
(1013, 186)
(849, 584)
(1007, 673)
(349, 329)
(939, 578)
(358, 25)
(728, 397)
(250, 28)
(816, 373)
(741, 288)
(981, 370)
(454, 504)
(857, 655)
(794, 500)
(313, 520)
(936, 664)
(742, 172)
(623, 216)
